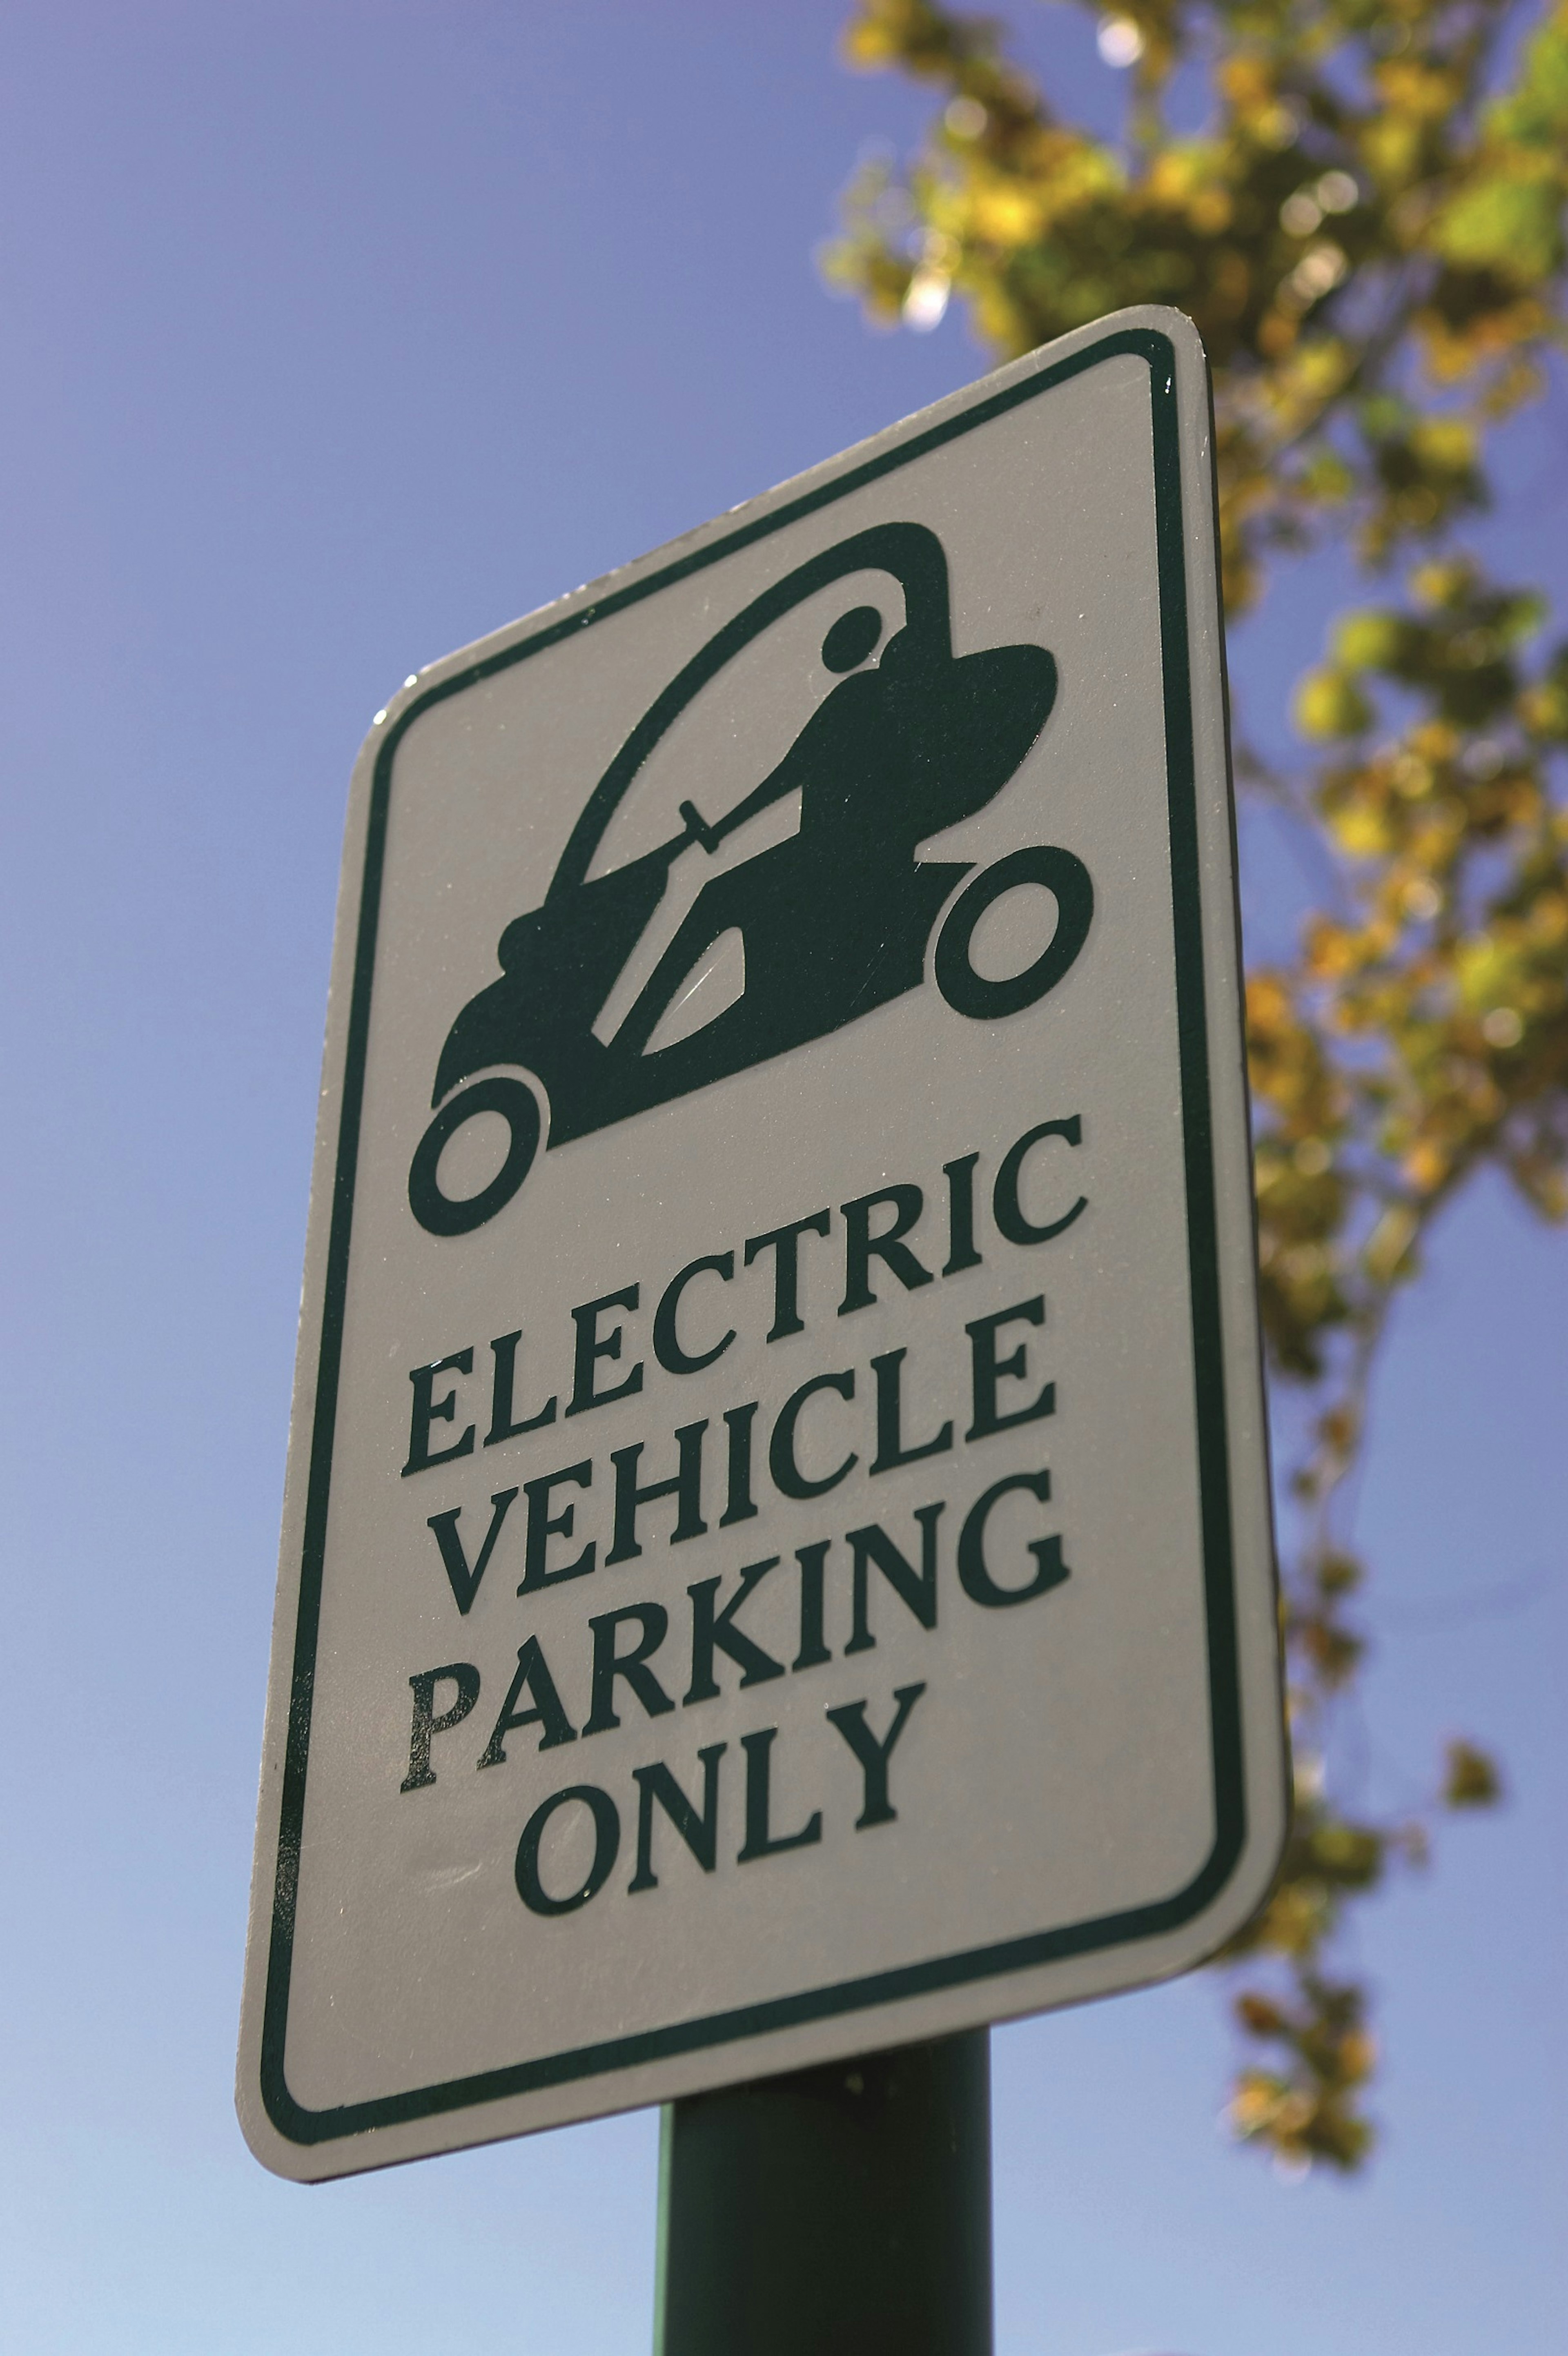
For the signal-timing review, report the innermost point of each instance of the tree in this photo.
(1370, 234)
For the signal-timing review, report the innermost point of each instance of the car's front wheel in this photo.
(458, 1214)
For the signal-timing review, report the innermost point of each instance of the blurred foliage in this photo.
(1370, 234)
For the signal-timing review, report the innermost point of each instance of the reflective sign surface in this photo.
(776, 1555)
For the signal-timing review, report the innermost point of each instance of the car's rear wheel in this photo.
(976, 994)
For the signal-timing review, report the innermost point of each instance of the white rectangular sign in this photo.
(777, 1552)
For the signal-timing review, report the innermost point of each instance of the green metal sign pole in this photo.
(843, 2211)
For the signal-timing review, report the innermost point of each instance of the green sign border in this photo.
(291, 2118)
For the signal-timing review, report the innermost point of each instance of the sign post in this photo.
(841, 2212)
(777, 1561)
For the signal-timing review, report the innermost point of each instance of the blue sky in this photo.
(332, 335)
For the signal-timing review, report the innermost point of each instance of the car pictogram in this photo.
(833, 921)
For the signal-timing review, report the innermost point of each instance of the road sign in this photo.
(777, 1553)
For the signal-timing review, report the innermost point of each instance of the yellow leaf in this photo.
(1327, 705)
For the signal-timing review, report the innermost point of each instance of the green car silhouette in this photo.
(834, 920)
